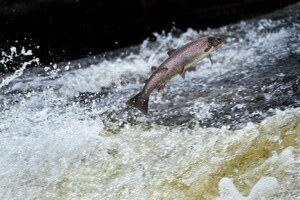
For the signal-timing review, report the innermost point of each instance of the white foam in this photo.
(263, 189)
(266, 187)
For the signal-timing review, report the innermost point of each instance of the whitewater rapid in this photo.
(229, 131)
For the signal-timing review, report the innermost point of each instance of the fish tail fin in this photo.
(140, 102)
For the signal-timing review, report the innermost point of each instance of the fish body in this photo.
(177, 63)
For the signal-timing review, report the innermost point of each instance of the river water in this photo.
(229, 131)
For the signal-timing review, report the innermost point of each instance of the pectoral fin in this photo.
(171, 51)
(183, 73)
(207, 49)
(209, 57)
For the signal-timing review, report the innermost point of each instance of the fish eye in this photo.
(215, 42)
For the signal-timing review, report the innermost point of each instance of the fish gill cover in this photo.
(229, 131)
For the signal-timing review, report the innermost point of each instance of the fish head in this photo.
(216, 42)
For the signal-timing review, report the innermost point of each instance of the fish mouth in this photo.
(222, 39)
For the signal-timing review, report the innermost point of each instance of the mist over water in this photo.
(229, 131)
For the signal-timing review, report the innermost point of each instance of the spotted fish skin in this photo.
(177, 63)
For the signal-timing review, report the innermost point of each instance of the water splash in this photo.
(8, 58)
(17, 73)
(65, 132)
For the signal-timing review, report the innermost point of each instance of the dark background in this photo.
(71, 29)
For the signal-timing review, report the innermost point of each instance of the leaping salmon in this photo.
(177, 63)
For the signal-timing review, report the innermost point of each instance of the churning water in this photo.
(229, 131)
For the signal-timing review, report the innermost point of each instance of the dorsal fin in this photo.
(171, 51)
(153, 68)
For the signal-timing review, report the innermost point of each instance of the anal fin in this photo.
(160, 88)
